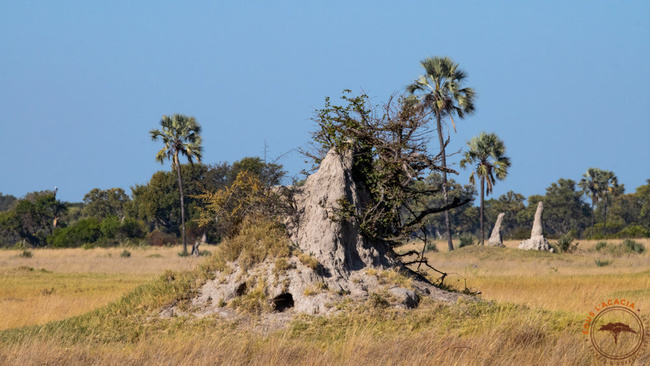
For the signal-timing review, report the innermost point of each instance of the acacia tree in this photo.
(439, 92)
(181, 135)
(487, 152)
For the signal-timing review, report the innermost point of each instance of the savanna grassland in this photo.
(98, 307)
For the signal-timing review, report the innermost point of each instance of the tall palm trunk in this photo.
(180, 188)
(605, 223)
(445, 197)
(482, 205)
(592, 218)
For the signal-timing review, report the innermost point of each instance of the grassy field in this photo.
(55, 284)
(538, 303)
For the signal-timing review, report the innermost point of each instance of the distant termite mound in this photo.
(537, 240)
(327, 259)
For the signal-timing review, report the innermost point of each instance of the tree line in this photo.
(569, 208)
(151, 214)
(411, 193)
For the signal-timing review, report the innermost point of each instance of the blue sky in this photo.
(563, 83)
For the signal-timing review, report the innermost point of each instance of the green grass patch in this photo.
(627, 247)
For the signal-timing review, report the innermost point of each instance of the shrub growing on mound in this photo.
(258, 239)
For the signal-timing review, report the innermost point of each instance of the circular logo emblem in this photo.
(617, 333)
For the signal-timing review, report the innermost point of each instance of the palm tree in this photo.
(487, 152)
(609, 187)
(590, 184)
(181, 136)
(439, 91)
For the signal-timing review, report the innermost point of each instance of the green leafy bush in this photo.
(84, 231)
(628, 246)
(565, 243)
(634, 231)
(466, 240)
(601, 245)
(125, 254)
(110, 227)
(633, 246)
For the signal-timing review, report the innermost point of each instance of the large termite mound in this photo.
(330, 260)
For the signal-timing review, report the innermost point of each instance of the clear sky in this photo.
(563, 83)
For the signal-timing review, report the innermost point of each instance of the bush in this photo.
(26, 253)
(601, 245)
(204, 253)
(603, 262)
(132, 228)
(633, 231)
(628, 246)
(84, 231)
(466, 240)
(431, 247)
(157, 238)
(110, 227)
(565, 243)
(633, 246)
(258, 240)
(125, 254)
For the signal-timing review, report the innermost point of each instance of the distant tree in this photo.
(217, 176)
(487, 154)
(599, 184)
(591, 187)
(511, 204)
(439, 91)
(269, 174)
(642, 196)
(564, 211)
(32, 217)
(181, 136)
(102, 203)
(6, 201)
(610, 188)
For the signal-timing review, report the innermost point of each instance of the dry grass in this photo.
(55, 284)
(150, 260)
(29, 297)
(464, 334)
(541, 300)
(550, 281)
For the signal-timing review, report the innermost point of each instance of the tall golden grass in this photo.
(55, 284)
(537, 303)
